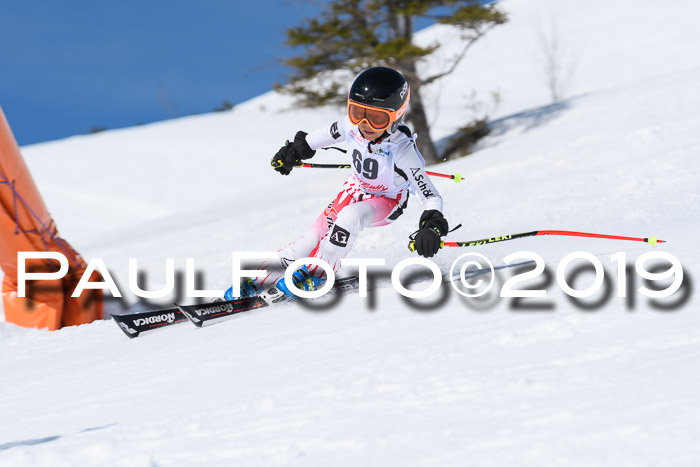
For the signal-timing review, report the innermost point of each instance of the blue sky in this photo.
(68, 66)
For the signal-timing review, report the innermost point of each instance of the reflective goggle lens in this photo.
(377, 119)
(356, 113)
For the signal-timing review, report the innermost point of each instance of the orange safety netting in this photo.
(26, 225)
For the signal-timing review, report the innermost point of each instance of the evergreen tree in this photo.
(352, 35)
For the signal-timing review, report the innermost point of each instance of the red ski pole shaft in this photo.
(534, 233)
(457, 177)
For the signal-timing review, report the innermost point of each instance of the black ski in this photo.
(211, 313)
(135, 324)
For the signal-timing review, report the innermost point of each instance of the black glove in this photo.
(432, 226)
(292, 154)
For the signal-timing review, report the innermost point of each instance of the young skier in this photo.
(386, 167)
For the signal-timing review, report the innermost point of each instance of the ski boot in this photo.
(302, 280)
(249, 288)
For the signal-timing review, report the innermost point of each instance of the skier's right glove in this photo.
(291, 154)
(433, 226)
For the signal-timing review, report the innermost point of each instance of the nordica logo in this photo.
(420, 183)
(214, 309)
(164, 318)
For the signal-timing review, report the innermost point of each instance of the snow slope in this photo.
(378, 382)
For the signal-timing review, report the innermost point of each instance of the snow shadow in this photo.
(28, 442)
(48, 439)
(523, 121)
(529, 119)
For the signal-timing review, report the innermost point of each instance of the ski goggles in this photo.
(378, 119)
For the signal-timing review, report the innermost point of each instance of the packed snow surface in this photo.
(378, 381)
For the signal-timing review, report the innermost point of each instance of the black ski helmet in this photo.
(383, 88)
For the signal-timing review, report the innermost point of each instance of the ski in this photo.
(136, 324)
(211, 313)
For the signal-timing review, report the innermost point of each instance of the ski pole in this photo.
(457, 177)
(534, 233)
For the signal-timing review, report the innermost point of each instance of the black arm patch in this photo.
(334, 131)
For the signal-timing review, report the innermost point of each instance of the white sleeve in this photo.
(327, 135)
(412, 164)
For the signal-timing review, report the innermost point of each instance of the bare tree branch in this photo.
(459, 56)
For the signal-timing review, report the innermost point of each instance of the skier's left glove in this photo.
(433, 226)
(292, 154)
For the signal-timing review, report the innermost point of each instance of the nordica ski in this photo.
(211, 313)
(135, 324)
